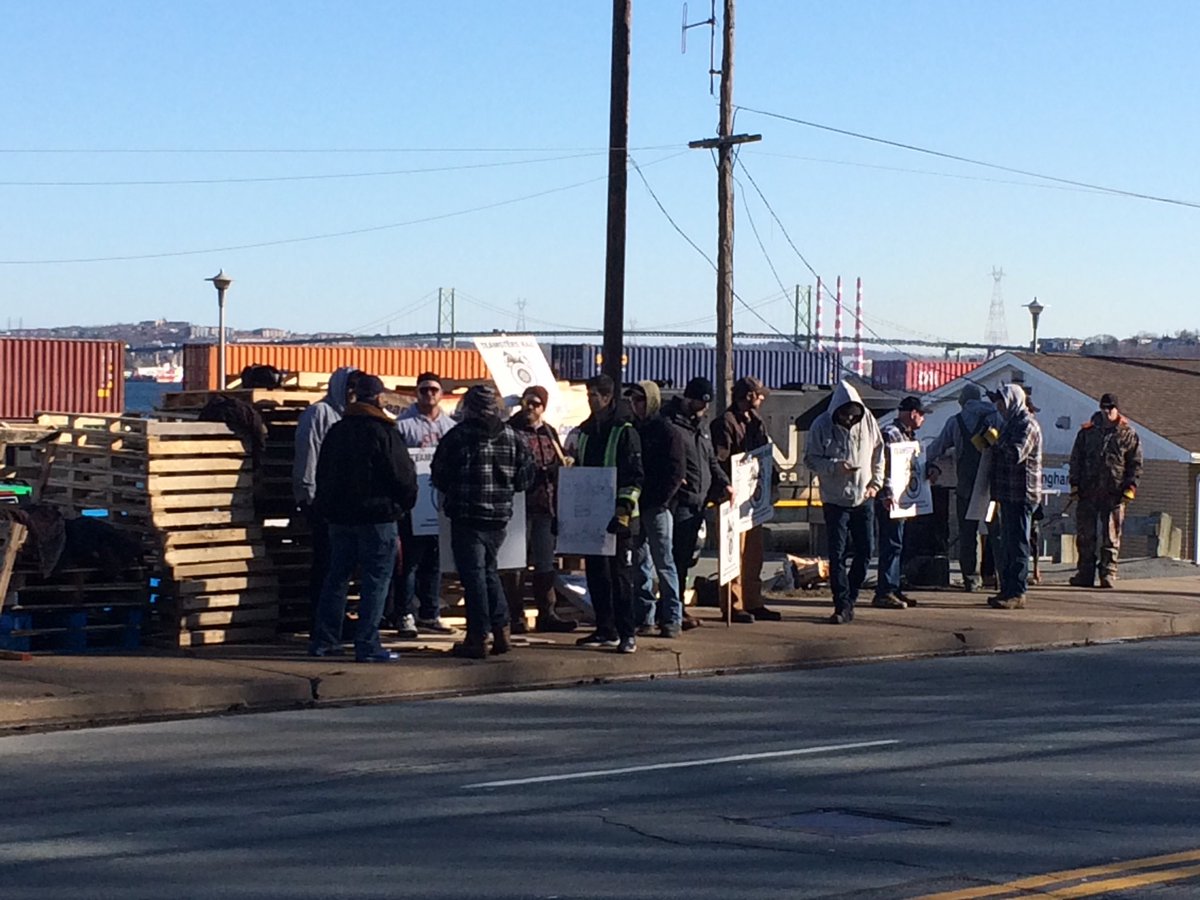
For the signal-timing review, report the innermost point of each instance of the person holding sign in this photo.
(891, 526)
(607, 438)
(1106, 463)
(845, 451)
(530, 426)
(478, 467)
(742, 430)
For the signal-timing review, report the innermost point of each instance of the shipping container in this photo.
(677, 365)
(917, 376)
(200, 361)
(60, 376)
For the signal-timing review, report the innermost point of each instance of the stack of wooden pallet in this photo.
(187, 488)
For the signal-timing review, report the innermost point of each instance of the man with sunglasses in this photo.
(1106, 464)
(422, 426)
(844, 450)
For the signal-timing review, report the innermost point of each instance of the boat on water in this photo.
(164, 374)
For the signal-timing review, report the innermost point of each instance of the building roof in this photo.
(1160, 394)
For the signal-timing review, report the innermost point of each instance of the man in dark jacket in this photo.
(742, 430)
(1106, 464)
(664, 463)
(478, 467)
(366, 482)
(608, 438)
(704, 480)
(1016, 488)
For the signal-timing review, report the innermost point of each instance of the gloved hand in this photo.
(1128, 494)
(985, 439)
(619, 523)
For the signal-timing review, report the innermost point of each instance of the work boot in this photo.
(889, 601)
(1107, 581)
(904, 598)
(471, 647)
(763, 614)
(1078, 580)
(501, 642)
(1017, 602)
(544, 594)
(513, 583)
(690, 622)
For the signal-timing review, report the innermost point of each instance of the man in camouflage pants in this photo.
(1106, 463)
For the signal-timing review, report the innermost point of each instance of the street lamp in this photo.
(1035, 313)
(221, 282)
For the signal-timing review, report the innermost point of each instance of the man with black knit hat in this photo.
(1106, 464)
(478, 467)
(366, 482)
(418, 604)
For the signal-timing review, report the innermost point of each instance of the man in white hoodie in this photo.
(845, 451)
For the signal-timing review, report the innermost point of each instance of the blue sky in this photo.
(498, 102)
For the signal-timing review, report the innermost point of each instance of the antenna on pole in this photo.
(711, 22)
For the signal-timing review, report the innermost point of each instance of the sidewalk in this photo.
(77, 691)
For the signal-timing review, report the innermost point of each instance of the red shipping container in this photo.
(917, 376)
(60, 376)
(200, 361)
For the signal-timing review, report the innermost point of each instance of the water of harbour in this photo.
(143, 397)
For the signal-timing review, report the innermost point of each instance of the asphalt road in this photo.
(1070, 773)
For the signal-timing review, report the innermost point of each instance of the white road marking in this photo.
(686, 764)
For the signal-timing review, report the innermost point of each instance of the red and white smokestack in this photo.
(859, 359)
(837, 318)
(817, 325)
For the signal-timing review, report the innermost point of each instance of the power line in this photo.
(276, 178)
(118, 151)
(392, 316)
(976, 162)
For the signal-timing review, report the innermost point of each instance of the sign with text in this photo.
(729, 543)
(1056, 481)
(751, 474)
(587, 499)
(424, 515)
(907, 481)
(516, 362)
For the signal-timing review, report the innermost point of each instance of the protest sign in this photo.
(512, 551)
(516, 362)
(587, 499)
(907, 482)
(729, 543)
(751, 475)
(424, 515)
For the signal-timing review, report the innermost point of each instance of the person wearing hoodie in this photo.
(607, 438)
(704, 481)
(740, 430)
(418, 593)
(541, 509)
(974, 416)
(1016, 482)
(311, 429)
(844, 450)
(478, 467)
(366, 483)
(665, 465)
(1106, 464)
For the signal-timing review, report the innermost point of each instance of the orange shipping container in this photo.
(200, 361)
(60, 376)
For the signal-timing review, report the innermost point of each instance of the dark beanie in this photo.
(480, 400)
(699, 388)
(1110, 400)
(537, 391)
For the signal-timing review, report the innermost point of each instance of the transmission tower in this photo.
(521, 314)
(445, 317)
(997, 326)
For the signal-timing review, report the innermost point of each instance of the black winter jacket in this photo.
(594, 434)
(664, 460)
(704, 479)
(364, 473)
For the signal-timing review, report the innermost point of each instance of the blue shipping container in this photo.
(676, 365)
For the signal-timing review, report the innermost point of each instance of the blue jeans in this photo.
(848, 528)
(475, 552)
(655, 553)
(422, 576)
(1012, 552)
(372, 548)
(891, 547)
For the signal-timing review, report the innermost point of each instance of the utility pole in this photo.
(724, 144)
(618, 145)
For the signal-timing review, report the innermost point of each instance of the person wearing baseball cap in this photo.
(1106, 465)
(742, 430)
(366, 483)
(909, 418)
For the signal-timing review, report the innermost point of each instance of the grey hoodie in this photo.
(314, 424)
(956, 438)
(829, 444)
